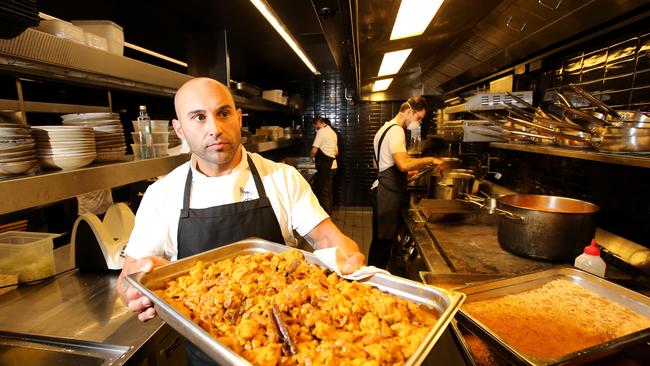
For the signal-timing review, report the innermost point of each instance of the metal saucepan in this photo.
(609, 114)
(624, 140)
(450, 162)
(545, 227)
(453, 185)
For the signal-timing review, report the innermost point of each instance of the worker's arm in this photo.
(405, 163)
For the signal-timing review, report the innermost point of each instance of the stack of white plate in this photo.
(64, 147)
(109, 135)
(17, 154)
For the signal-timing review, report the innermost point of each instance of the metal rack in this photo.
(620, 159)
(40, 55)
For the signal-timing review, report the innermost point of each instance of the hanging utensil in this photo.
(519, 112)
(593, 100)
(520, 101)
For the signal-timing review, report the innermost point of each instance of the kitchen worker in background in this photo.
(222, 195)
(393, 163)
(324, 151)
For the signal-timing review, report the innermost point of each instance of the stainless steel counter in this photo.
(79, 306)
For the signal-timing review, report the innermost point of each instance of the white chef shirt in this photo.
(156, 222)
(394, 142)
(327, 141)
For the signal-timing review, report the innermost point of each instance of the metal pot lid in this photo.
(555, 204)
(448, 159)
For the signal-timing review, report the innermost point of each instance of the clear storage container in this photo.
(113, 33)
(27, 254)
(62, 29)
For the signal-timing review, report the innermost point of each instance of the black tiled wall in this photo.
(357, 124)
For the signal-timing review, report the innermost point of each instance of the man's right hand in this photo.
(130, 296)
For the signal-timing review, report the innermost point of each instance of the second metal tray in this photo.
(627, 298)
(445, 303)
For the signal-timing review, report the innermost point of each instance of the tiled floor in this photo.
(355, 222)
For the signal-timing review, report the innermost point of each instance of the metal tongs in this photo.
(288, 344)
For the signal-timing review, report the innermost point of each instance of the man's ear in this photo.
(178, 129)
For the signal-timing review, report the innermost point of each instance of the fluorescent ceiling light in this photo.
(413, 17)
(381, 85)
(268, 13)
(393, 61)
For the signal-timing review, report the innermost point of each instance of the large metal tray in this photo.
(624, 297)
(444, 302)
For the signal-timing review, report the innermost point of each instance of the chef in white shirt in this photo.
(324, 151)
(222, 195)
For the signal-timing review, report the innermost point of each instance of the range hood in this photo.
(468, 40)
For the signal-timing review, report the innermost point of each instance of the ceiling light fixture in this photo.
(393, 61)
(413, 17)
(381, 85)
(265, 9)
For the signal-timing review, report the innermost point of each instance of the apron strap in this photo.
(256, 177)
(381, 139)
(185, 212)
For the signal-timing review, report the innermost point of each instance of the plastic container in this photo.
(156, 125)
(157, 150)
(590, 261)
(95, 41)
(157, 137)
(29, 255)
(113, 33)
(62, 29)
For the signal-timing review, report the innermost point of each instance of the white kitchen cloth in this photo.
(328, 257)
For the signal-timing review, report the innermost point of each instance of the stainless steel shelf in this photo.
(259, 104)
(621, 159)
(29, 191)
(43, 107)
(272, 145)
(41, 54)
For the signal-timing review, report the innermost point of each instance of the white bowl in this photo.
(65, 161)
(16, 167)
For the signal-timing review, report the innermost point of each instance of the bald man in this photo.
(222, 195)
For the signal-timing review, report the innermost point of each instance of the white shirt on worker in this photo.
(394, 142)
(327, 141)
(156, 222)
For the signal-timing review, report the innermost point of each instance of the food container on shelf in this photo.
(156, 137)
(27, 254)
(157, 125)
(95, 41)
(113, 33)
(445, 303)
(154, 151)
(62, 29)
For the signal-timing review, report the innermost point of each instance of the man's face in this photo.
(417, 116)
(209, 122)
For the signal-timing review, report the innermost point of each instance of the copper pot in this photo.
(545, 227)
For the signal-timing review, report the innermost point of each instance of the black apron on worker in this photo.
(323, 180)
(390, 196)
(208, 228)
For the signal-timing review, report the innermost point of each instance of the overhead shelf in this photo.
(40, 54)
(29, 191)
(621, 159)
(272, 145)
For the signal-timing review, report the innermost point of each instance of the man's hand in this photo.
(130, 296)
(349, 260)
(348, 256)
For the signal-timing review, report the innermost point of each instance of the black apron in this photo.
(208, 228)
(391, 193)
